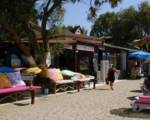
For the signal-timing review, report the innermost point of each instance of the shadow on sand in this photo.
(72, 92)
(131, 97)
(126, 112)
(137, 91)
(21, 104)
(102, 89)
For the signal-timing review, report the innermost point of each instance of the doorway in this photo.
(85, 64)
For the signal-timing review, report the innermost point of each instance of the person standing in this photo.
(111, 76)
(147, 82)
(95, 65)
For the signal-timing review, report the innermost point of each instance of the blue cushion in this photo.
(6, 69)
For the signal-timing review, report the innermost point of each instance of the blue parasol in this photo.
(140, 55)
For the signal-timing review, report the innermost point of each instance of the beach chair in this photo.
(62, 85)
(12, 86)
(14, 92)
(140, 103)
(59, 83)
(56, 81)
(87, 79)
(80, 78)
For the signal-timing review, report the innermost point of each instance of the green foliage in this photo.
(56, 49)
(104, 24)
(144, 18)
(125, 26)
(52, 18)
(18, 13)
(128, 26)
(15, 13)
(95, 5)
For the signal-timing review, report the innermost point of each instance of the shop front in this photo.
(81, 53)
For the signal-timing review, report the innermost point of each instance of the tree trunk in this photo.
(22, 47)
(46, 47)
(47, 12)
(45, 40)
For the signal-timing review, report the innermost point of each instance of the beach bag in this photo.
(107, 81)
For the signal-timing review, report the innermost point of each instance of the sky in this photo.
(76, 14)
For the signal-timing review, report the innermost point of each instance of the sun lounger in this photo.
(88, 79)
(140, 103)
(18, 90)
(12, 86)
(62, 85)
(59, 83)
(56, 80)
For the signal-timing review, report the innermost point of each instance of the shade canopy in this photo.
(140, 55)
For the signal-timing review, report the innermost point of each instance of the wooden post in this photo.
(75, 58)
(78, 85)
(94, 83)
(32, 91)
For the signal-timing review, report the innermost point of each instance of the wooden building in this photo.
(118, 56)
(79, 53)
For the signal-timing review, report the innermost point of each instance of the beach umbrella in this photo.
(140, 55)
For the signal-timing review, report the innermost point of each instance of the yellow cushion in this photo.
(34, 70)
(44, 73)
(4, 81)
(52, 73)
(59, 74)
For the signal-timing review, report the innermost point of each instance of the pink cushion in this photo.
(18, 89)
(64, 81)
(52, 74)
(13, 89)
(144, 97)
(143, 101)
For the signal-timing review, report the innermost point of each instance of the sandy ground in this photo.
(99, 104)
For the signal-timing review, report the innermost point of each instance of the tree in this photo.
(125, 26)
(104, 24)
(144, 18)
(128, 27)
(95, 5)
(50, 7)
(14, 19)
